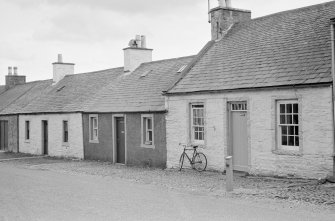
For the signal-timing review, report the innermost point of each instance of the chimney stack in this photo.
(13, 79)
(60, 69)
(224, 16)
(136, 53)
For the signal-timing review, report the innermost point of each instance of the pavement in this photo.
(60, 189)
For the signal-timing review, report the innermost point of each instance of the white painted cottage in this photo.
(261, 91)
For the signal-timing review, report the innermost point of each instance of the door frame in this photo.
(42, 130)
(114, 137)
(229, 151)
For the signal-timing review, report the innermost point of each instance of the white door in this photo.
(239, 135)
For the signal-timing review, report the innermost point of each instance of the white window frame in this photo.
(192, 126)
(92, 137)
(27, 138)
(144, 131)
(296, 133)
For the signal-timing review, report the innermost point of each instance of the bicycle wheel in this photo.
(181, 161)
(199, 162)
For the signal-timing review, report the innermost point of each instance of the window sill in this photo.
(93, 141)
(65, 144)
(27, 141)
(287, 152)
(148, 146)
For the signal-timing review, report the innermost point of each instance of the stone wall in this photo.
(56, 147)
(13, 145)
(316, 130)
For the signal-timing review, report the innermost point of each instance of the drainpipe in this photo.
(332, 28)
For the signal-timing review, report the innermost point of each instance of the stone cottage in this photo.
(261, 91)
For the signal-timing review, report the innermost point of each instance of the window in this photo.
(147, 130)
(27, 130)
(65, 131)
(93, 126)
(198, 123)
(288, 125)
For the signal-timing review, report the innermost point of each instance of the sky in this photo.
(92, 33)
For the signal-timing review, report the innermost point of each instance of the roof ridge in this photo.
(94, 72)
(169, 59)
(291, 10)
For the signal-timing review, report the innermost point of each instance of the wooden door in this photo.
(45, 137)
(239, 136)
(4, 135)
(120, 140)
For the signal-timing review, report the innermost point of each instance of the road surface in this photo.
(32, 194)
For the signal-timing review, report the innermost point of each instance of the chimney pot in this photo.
(222, 3)
(60, 58)
(10, 71)
(15, 70)
(228, 3)
(143, 41)
(138, 41)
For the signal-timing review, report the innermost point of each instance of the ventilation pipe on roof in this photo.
(332, 28)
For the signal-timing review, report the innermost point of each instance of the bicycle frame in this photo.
(194, 153)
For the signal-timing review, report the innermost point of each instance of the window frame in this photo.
(27, 130)
(92, 138)
(65, 131)
(192, 132)
(287, 149)
(144, 131)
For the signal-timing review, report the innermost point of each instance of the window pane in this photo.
(290, 130)
(291, 140)
(282, 108)
(296, 130)
(282, 119)
(149, 123)
(201, 113)
(296, 141)
(288, 108)
(295, 108)
(295, 119)
(150, 135)
(284, 140)
(289, 119)
(201, 136)
(96, 133)
(95, 122)
(284, 130)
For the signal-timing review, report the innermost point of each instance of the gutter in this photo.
(331, 178)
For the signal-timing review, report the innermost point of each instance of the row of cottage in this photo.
(260, 90)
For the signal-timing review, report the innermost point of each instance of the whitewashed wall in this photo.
(316, 130)
(56, 147)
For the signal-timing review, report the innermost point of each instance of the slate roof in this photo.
(72, 93)
(18, 97)
(287, 48)
(141, 90)
(2, 88)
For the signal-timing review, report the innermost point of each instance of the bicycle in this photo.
(198, 161)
